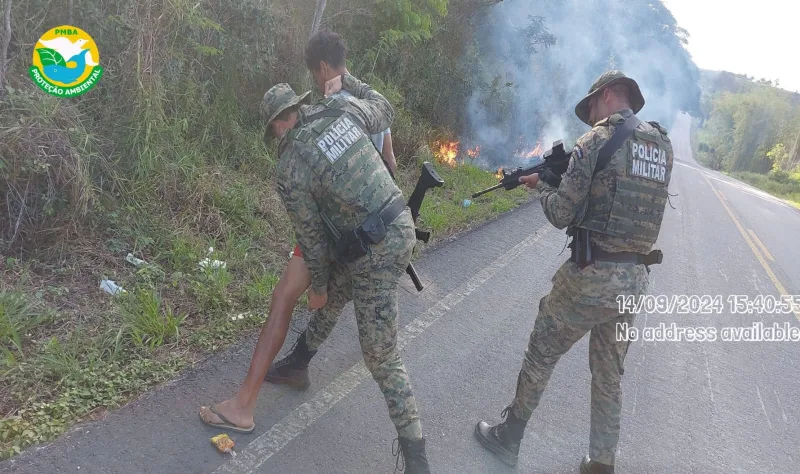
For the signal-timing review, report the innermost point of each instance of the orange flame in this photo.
(474, 152)
(499, 174)
(446, 152)
(536, 151)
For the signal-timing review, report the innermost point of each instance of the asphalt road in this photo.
(690, 407)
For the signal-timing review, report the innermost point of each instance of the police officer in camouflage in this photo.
(354, 229)
(613, 193)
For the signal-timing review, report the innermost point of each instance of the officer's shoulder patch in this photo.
(577, 152)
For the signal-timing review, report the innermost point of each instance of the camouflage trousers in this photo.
(374, 296)
(561, 323)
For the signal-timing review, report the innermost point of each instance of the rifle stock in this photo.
(428, 179)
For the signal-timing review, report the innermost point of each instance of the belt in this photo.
(373, 229)
(392, 210)
(653, 258)
(353, 245)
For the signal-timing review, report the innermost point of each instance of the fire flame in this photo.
(530, 153)
(537, 150)
(446, 152)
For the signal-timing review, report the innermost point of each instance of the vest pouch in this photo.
(350, 247)
(373, 228)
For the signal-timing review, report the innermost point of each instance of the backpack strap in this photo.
(622, 133)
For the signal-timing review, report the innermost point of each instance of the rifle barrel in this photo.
(497, 186)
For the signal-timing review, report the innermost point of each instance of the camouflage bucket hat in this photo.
(277, 99)
(609, 79)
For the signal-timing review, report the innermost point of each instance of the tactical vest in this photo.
(633, 206)
(357, 183)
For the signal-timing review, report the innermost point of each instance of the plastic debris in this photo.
(111, 288)
(239, 317)
(212, 263)
(467, 203)
(207, 262)
(224, 444)
(136, 262)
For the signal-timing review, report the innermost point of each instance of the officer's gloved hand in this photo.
(550, 178)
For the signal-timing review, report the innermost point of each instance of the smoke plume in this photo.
(540, 58)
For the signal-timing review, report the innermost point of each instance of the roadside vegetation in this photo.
(750, 129)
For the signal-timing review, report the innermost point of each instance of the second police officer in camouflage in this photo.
(618, 207)
(354, 229)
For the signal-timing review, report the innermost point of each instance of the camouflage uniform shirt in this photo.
(301, 188)
(600, 283)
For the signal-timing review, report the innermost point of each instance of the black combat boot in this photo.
(593, 467)
(414, 459)
(503, 439)
(292, 370)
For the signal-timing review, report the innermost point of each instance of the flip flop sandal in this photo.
(226, 424)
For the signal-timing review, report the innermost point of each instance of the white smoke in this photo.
(591, 37)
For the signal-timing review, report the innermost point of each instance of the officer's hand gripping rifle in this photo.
(427, 179)
(556, 161)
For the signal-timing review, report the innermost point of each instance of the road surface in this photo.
(690, 407)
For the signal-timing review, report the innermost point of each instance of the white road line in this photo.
(741, 186)
(292, 425)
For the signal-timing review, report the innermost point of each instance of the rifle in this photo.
(428, 179)
(556, 160)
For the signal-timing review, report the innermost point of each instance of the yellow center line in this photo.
(750, 243)
(760, 244)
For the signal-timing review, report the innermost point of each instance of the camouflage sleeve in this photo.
(373, 109)
(295, 181)
(564, 204)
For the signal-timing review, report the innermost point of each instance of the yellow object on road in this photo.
(224, 444)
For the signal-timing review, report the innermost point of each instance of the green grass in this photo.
(259, 291)
(443, 211)
(148, 321)
(788, 188)
(18, 315)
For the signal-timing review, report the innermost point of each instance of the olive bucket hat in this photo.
(609, 79)
(277, 99)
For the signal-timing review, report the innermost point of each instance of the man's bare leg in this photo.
(240, 409)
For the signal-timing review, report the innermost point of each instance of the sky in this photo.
(757, 38)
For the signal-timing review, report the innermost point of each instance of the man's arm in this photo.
(374, 110)
(388, 152)
(563, 204)
(295, 180)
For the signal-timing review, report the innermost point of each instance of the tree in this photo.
(794, 156)
(318, 11)
(6, 40)
(754, 129)
(779, 157)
